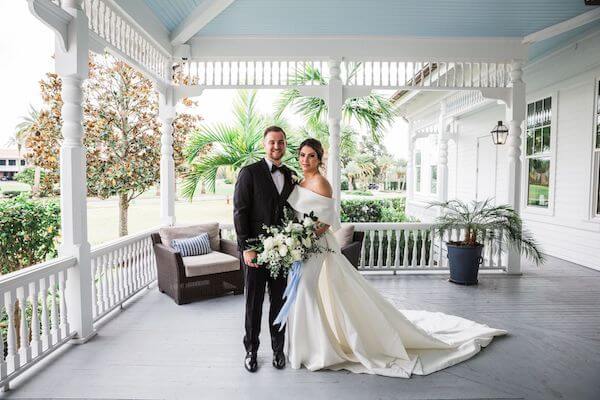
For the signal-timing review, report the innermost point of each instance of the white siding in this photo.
(565, 230)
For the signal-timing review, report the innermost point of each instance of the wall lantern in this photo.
(499, 133)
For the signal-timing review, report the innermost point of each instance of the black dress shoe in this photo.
(250, 361)
(279, 360)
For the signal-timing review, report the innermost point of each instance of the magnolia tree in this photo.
(122, 133)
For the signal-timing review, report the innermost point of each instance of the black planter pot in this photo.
(464, 263)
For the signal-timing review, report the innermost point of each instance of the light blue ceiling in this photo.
(508, 18)
(546, 46)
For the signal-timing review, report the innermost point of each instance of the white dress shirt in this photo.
(277, 176)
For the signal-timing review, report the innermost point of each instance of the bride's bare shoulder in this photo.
(320, 185)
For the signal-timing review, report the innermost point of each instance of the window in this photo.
(22, 162)
(597, 153)
(538, 155)
(12, 162)
(2, 162)
(418, 171)
(433, 179)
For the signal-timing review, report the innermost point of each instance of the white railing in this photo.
(249, 73)
(415, 246)
(464, 101)
(426, 74)
(408, 246)
(120, 269)
(35, 311)
(116, 30)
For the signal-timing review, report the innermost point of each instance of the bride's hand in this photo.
(321, 228)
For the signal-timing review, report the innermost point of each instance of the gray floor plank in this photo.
(155, 349)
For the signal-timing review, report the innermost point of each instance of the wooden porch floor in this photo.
(155, 349)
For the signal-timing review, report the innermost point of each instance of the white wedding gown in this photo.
(339, 321)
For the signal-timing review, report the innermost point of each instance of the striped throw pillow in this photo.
(193, 246)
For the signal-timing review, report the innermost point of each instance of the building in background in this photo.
(11, 162)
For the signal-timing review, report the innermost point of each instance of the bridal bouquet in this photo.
(291, 242)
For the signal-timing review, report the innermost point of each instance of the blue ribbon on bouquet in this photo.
(290, 293)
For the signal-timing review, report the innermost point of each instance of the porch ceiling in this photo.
(457, 18)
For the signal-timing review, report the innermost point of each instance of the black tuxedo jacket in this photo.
(257, 202)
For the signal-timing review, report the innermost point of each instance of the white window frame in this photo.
(432, 187)
(594, 215)
(550, 155)
(418, 172)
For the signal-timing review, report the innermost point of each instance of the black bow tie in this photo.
(276, 168)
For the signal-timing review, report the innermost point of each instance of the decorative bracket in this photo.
(54, 17)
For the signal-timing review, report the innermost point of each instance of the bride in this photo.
(339, 321)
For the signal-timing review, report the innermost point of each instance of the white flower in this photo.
(297, 227)
(296, 178)
(283, 250)
(306, 242)
(289, 241)
(269, 243)
(296, 254)
(307, 222)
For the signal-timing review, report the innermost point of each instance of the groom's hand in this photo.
(249, 257)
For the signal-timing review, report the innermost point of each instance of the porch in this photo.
(154, 349)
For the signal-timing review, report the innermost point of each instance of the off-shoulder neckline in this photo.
(315, 193)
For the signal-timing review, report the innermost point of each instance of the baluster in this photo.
(490, 249)
(24, 349)
(136, 266)
(3, 366)
(362, 251)
(46, 342)
(53, 310)
(380, 249)
(153, 259)
(119, 274)
(109, 280)
(397, 249)
(441, 250)
(144, 263)
(413, 262)
(483, 241)
(422, 263)
(36, 344)
(64, 323)
(104, 280)
(405, 235)
(431, 235)
(499, 256)
(371, 248)
(388, 255)
(12, 357)
(94, 289)
(127, 266)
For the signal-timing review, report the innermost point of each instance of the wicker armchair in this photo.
(174, 281)
(352, 250)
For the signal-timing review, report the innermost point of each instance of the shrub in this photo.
(28, 232)
(360, 192)
(15, 193)
(376, 210)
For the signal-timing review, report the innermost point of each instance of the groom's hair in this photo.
(274, 128)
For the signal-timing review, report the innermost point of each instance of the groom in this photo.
(260, 196)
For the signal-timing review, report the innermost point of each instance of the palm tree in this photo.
(23, 129)
(234, 146)
(374, 111)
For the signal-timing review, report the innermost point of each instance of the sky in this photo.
(24, 62)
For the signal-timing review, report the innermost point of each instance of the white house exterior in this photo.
(561, 203)
(11, 162)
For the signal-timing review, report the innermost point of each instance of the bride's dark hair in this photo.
(315, 145)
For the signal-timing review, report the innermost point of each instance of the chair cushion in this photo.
(167, 234)
(344, 235)
(211, 263)
(194, 246)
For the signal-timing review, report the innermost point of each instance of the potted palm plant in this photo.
(500, 224)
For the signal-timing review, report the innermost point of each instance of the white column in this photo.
(166, 112)
(515, 115)
(334, 106)
(72, 67)
(442, 164)
(410, 178)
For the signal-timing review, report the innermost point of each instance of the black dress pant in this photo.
(257, 279)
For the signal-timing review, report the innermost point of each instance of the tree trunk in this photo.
(123, 208)
(35, 190)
